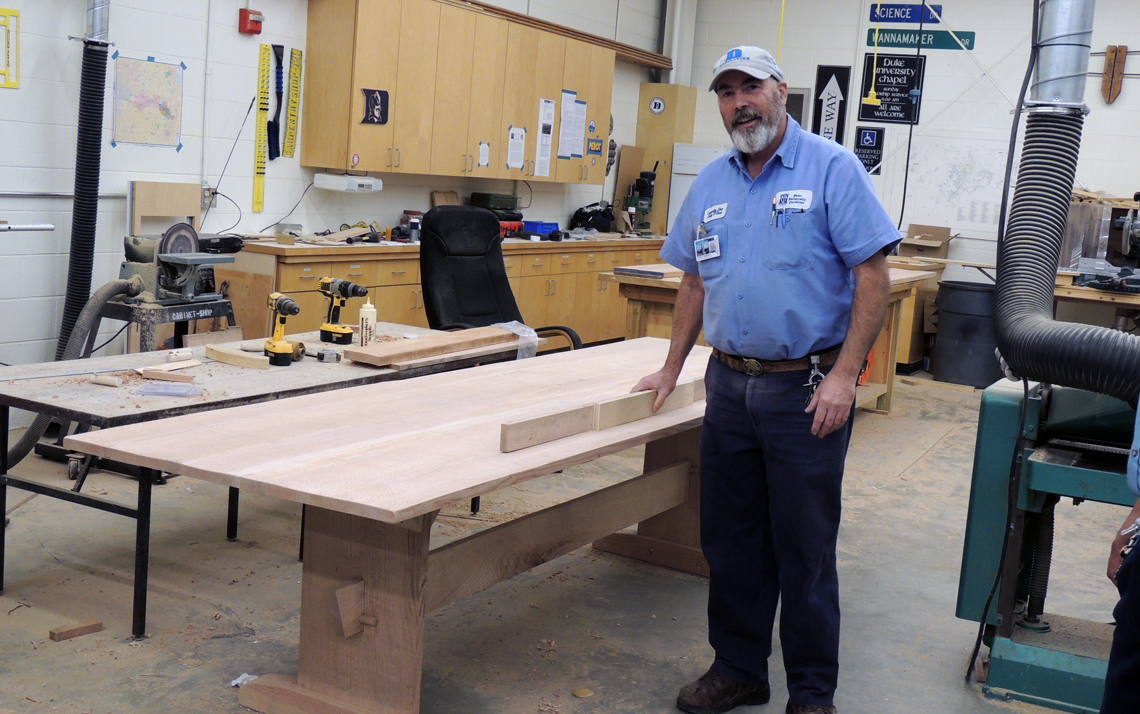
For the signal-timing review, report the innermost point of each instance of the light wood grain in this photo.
(632, 407)
(230, 334)
(575, 78)
(67, 632)
(520, 106)
(387, 353)
(374, 66)
(539, 430)
(467, 566)
(166, 376)
(412, 108)
(350, 607)
(599, 100)
(279, 694)
(449, 154)
(685, 558)
(488, 351)
(439, 443)
(487, 86)
(236, 357)
(180, 201)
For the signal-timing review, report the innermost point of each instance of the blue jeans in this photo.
(770, 508)
(1122, 683)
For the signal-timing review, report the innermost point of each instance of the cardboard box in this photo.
(926, 241)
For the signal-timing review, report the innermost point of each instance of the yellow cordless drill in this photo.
(338, 292)
(277, 349)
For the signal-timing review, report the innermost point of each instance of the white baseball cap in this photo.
(753, 61)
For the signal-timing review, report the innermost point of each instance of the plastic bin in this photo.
(539, 226)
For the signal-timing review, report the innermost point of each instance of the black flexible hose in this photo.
(87, 154)
(1041, 563)
(1036, 347)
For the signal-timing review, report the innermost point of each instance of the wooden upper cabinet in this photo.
(576, 79)
(485, 126)
(329, 64)
(520, 108)
(547, 85)
(599, 102)
(412, 107)
(453, 92)
(373, 68)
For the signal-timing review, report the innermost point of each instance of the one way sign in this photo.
(831, 87)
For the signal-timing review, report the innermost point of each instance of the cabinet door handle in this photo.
(355, 275)
(389, 157)
(413, 299)
(471, 157)
(555, 290)
(308, 277)
(398, 156)
(463, 157)
(398, 272)
(590, 262)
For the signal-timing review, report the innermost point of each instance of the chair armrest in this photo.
(456, 326)
(575, 340)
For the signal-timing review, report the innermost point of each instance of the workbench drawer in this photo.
(536, 264)
(641, 257)
(398, 272)
(613, 259)
(361, 273)
(564, 263)
(512, 263)
(592, 263)
(292, 277)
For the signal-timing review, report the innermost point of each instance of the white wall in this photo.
(956, 158)
(38, 138)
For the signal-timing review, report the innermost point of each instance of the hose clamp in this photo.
(1041, 107)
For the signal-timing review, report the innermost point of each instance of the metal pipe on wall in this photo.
(1063, 54)
(98, 19)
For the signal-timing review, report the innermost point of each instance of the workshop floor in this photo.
(629, 632)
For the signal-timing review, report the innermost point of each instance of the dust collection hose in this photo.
(87, 318)
(1036, 347)
(92, 84)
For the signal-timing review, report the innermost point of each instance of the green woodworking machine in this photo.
(1074, 448)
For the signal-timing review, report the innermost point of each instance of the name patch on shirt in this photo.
(707, 248)
(793, 200)
(719, 211)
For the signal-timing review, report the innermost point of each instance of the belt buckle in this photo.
(753, 368)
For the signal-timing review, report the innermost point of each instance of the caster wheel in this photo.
(73, 469)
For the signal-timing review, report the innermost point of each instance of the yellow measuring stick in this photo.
(261, 142)
(10, 39)
(294, 102)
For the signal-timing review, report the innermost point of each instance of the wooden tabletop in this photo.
(900, 278)
(358, 251)
(397, 450)
(72, 396)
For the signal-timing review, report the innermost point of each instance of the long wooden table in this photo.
(61, 390)
(649, 313)
(370, 574)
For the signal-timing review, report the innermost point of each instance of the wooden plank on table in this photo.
(657, 270)
(387, 353)
(520, 434)
(67, 632)
(631, 407)
(467, 566)
(166, 376)
(169, 366)
(487, 351)
(230, 334)
(236, 357)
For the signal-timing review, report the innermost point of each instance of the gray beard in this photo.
(756, 139)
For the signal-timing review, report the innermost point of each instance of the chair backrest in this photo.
(461, 268)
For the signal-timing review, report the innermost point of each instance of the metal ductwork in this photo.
(1034, 345)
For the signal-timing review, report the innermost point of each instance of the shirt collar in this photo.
(786, 151)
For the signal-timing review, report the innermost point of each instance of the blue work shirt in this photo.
(782, 285)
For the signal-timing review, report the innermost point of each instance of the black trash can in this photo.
(964, 349)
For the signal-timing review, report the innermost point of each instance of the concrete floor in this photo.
(631, 633)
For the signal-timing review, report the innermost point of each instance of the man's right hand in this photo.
(1116, 557)
(663, 381)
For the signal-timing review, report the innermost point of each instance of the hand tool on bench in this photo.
(338, 292)
(277, 348)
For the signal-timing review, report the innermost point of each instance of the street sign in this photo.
(898, 84)
(931, 39)
(832, 84)
(890, 12)
(869, 147)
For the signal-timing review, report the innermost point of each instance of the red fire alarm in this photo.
(249, 21)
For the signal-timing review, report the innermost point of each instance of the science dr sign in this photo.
(898, 85)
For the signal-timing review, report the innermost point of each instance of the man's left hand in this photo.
(831, 404)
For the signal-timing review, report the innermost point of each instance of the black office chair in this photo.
(462, 274)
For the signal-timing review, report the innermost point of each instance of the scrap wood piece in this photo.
(200, 339)
(486, 351)
(387, 353)
(165, 376)
(236, 357)
(350, 607)
(66, 632)
(1112, 79)
(601, 415)
(632, 407)
(169, 366)
(911, 382)
(657, 270)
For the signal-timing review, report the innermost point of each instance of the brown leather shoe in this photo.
(715, 694)
(816, 709)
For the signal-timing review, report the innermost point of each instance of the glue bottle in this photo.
(367, 323)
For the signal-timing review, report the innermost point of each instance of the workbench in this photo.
(554, 282)
(70, 397)
(649, 313)
(370, 574)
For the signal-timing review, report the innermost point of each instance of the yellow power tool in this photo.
(277, 349)
(338, 292)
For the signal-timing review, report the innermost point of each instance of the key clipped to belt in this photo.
(814, 379)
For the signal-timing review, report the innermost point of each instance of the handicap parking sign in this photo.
(867, 138)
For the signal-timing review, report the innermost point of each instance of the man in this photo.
(792, 293)
(1122, 681)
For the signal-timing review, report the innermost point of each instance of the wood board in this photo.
(657, 270)
(440, 442)
(236, 357)
(386, 353)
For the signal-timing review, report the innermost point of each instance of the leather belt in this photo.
(756, 367)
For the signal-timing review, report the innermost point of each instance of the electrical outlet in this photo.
(209, 197)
